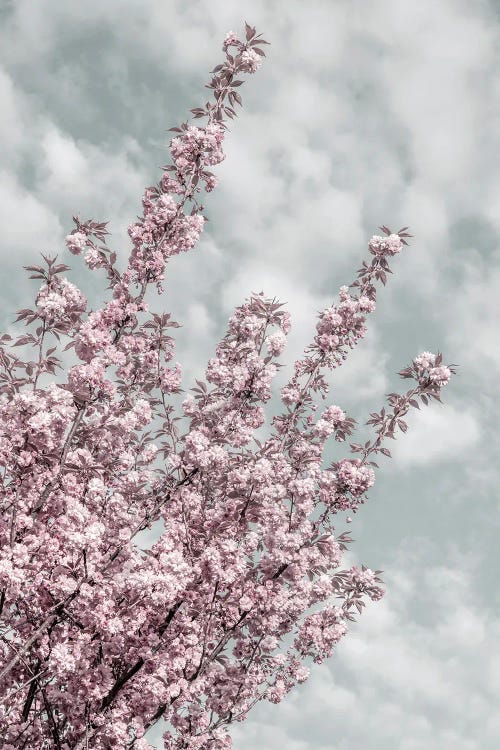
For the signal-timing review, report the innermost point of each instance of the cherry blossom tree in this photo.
(100, 639)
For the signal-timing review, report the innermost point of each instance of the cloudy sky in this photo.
(364, 113)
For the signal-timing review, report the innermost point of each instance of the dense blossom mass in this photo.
(100, 639)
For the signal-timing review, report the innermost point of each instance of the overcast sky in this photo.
(365, 113)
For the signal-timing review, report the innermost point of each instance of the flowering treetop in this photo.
(99, 638)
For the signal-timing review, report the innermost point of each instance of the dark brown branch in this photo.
(31, 694)
(53, 724)
(109, 698)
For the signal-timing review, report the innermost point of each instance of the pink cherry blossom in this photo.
(101, 638)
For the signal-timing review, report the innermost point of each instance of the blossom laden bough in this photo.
(100, 639)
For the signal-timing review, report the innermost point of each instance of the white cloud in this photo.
(86, 178)
(28, 225)
(474, 317)
(437, 433)
(14, 111)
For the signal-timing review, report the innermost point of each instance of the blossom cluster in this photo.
(60, 300)
(387, 245)
(428, 366)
